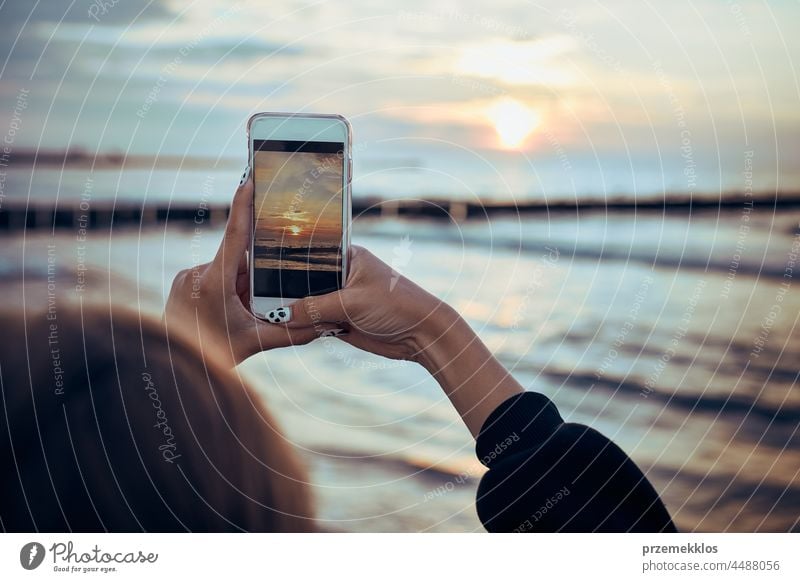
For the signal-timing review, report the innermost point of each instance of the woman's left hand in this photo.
(209, 301)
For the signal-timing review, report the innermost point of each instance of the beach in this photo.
(674, 335)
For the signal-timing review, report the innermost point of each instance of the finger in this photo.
(236, 241)
(358, 340)
(243, 281)
(355, 256)
(315, 310)
(355, 251)
(270, 336)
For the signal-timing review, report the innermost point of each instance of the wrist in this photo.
(440, 338)
(473, 379)
(210, 344)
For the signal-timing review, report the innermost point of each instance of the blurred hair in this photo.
(109, 424)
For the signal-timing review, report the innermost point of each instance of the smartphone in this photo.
(302, 167)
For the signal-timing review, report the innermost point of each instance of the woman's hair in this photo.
(109, 424)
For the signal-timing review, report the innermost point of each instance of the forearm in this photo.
(474, 381)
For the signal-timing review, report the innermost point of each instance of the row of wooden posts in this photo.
(16, 216)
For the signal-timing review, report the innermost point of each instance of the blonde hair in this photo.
(108, 423)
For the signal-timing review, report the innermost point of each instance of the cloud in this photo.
(419, 72)
(107, 12)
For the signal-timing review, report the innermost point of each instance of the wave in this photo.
(704, 402)
(663, 245)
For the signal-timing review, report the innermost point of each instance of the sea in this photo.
(269, 254)
(673, 332)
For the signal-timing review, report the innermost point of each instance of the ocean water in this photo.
(273, 254)
(676, 336)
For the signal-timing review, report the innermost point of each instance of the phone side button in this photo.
(349, 169)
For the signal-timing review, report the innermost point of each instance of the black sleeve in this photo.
(546, 475)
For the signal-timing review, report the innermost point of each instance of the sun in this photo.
(513, 121)
(294, 230)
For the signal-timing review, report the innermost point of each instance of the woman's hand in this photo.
(382, 312)
(379, 310)
(209, 301)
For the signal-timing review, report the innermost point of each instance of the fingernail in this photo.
(280, 315)
(333, 332)
(245, 176)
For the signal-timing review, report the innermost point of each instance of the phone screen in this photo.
(297, 244)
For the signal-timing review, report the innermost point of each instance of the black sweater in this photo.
(546, 475)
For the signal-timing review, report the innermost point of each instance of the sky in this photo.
(298, 198)
(520, 99)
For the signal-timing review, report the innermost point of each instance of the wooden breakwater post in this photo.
(16, 215)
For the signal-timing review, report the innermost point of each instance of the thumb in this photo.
(236, 240)
(328, 308)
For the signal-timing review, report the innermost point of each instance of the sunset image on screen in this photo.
(298, 210)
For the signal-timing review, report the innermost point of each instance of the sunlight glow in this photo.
(294, 230)
(513, 121)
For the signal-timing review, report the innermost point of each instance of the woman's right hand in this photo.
(379, 310)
